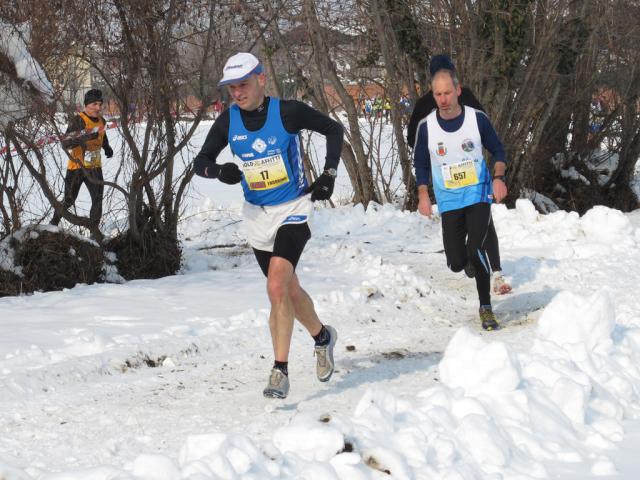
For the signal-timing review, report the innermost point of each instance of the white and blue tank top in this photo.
(458, 169)
(270, 158)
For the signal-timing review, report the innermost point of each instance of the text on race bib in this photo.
(459, 175)
(265, 173)
(92, 159)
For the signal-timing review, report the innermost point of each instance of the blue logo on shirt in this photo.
(295, 219)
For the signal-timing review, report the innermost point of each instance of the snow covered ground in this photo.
(162, 380)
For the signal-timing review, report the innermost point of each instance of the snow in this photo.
(542, 202)
(14, 103)
(635, 181)
(573, 174)
(14, 47)
(603, 162)
(162, 379)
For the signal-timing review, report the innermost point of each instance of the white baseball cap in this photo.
(239, 67)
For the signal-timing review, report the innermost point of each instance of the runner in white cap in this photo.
(240, 67)
(263, 134)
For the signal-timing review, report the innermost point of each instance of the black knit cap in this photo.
(93, 95)
(441, 62)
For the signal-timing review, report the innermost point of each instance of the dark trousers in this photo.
(464, 234)
(493, 248)
(73, 180)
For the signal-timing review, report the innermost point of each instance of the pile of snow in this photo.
(500, 407)
(603, 163)
(498, 414)
(502, 412)
(573, 174)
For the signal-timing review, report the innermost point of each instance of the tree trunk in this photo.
(391, 52)
(323, 60)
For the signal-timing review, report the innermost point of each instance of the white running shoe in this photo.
(324, 356)
(278, 386)
(500, 285)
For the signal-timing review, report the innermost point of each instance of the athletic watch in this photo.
(500, 177)
(332, 172)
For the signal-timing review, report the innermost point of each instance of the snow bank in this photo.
(606, 225)
(497, 414)
(503, 413)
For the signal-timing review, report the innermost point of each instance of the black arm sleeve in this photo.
(423, 107)
(298, 116)
(468, 98)
(204, 164)
(76, 124)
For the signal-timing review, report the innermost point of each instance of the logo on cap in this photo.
(239, 67)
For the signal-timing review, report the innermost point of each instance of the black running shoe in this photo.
(488, 319)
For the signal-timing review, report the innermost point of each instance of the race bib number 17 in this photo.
(265, 173)
(459, 175)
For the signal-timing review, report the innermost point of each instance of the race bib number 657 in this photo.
(459, 175)
(265, 173)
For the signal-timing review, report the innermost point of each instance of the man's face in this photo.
(445, 94)
(93, 109)
(248, 94)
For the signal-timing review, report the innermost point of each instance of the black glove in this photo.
(322, 188)
(229, 173)
(108, 151)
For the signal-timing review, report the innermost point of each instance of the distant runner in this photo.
(85, 137)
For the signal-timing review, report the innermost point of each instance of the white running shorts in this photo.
(261, 223)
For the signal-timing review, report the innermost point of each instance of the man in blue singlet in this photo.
(448, 150)
(263, 134)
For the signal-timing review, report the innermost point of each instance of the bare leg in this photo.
(288, 300)
(303, 307)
